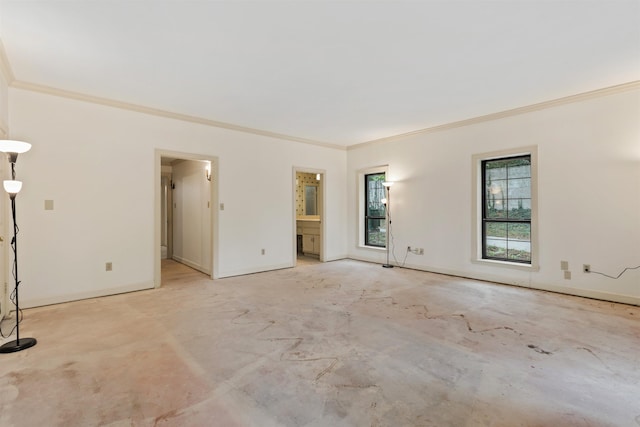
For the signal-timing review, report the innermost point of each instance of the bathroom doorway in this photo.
(309, 213)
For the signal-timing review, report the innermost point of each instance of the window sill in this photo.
(506, 264)
(373, 248)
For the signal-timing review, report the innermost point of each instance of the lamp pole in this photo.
(13, 187)
(387, 185)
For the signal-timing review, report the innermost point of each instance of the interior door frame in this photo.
(169, 213)
(159, 154)
(322, 209)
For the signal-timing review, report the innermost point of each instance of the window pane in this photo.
(519, 232)
(376, 233)
(519, 242)
(375, 210)
(510, 241)
(519, 188)
(495, 196)
(519, 208)
(495, 170)
(496, 229)
(520, 251)
(496, 248)
(375, 192)
(520, 171)
(507, 198)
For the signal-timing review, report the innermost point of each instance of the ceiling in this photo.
(336, 72)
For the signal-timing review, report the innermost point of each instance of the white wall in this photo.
(589, 195)
(98, 163)
(192, 215)
(4, 102)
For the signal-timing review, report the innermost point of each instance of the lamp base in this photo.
(13, 346)
(387, 265)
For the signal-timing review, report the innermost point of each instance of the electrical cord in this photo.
(618, 276)
(392, 243)
(12, 297)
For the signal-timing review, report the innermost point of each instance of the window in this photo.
(506, 209)
(375, 222)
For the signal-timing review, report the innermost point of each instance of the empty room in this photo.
(320, 213)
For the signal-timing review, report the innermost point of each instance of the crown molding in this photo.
(17, 84)
(5, 66)
(611, 90)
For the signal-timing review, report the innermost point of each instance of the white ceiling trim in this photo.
(509, 113)
(163, 113)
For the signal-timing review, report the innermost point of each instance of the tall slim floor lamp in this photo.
(387, 202)
(13, 187)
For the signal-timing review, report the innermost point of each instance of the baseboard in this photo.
(39, 302)
(335, 258)
(585, 293)
(191, 264)
(262, 269)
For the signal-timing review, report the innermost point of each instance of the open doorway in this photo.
(186, 189)
(309, 214)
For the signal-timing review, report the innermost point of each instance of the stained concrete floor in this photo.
(344, 343)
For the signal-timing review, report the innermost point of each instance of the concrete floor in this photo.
(344, 343)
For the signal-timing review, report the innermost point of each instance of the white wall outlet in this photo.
(221, 206)
(108, 266)
(263, 251)
(586, 268)
(567, 275)
(564, 265)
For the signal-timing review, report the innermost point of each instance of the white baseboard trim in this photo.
(39, 302)
(262, 269)
(191, 264)
(336, 258)
(586, 293)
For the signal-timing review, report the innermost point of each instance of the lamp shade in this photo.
(387, 183)
(9, 146)
(12, 187)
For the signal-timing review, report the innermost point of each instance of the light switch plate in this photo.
(48, 205)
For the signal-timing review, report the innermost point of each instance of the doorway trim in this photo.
(323, 210)
(159, 154)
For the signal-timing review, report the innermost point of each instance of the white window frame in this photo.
(476, 218)
(361, 208)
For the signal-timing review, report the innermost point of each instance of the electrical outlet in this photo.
(564, 265)
(567, 275)
(421, 251)
(263, 251)
(586, 268)
(408, 248)
(108, 266)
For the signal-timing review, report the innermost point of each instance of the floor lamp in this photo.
(387, 202)
(13, 187)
